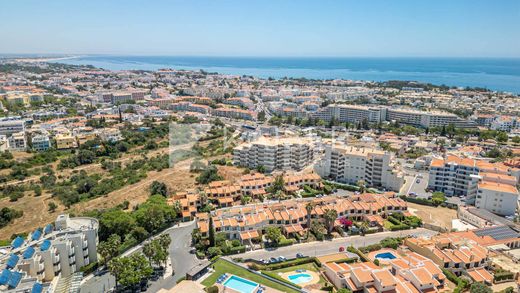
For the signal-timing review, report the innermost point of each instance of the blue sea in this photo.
(493, 73)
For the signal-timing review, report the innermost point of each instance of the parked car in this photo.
(299, 255)
(418, 181)
(273, 260)
(281, 258)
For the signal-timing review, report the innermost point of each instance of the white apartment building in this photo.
(352, 113)
(427, 119)
(56, 250)
(498, 198)
(459, 176)
(8, 127)
(17, 142)
(289, 153)
(505, 123)
(4, 143)
(349, 164)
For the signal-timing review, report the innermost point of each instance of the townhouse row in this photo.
(243, 222)
(226, 194)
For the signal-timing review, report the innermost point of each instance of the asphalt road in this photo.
(332, 246)
(180, 257)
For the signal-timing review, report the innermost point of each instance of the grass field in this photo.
(222, 266)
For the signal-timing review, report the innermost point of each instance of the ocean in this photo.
(502, 74)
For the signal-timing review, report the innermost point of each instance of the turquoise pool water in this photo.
(240, 285)
(300, 278)
(385, 255)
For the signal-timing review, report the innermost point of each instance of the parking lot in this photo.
(416, 184)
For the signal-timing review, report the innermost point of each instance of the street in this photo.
(180, 257)
(331, 246)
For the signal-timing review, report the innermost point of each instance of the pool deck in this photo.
(315, 277)
(224, 289)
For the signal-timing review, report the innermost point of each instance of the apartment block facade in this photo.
(348, 164)
(275, 153)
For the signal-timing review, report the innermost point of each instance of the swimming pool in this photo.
(300, 278)
(385, 255)
(240, 285)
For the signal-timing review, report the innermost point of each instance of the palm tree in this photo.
(330, 217)
(309, 207)
(361, 185)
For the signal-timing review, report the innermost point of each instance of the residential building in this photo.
(118, 98)
(240, 222)
(17, 142)
(65, 141)
(41, 142)
(10, 126)
(408, 272)
(350, 164)
(234, 113)
(287, 153)
(455, 175)
(56, 250)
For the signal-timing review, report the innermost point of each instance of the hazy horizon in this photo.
(335, 29)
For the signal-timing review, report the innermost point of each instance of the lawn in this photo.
(308, 266)
(222, 266)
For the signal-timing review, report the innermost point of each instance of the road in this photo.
(331, 246)
(180, 257)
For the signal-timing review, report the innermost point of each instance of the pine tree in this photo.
(211, 233)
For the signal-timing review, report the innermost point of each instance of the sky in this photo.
(299, 28)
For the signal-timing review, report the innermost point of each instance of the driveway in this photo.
(180, 257)
(332, 246)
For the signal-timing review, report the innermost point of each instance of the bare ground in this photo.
(438, 216)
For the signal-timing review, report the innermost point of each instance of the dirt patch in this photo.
(438, 216)
(35, 214)
(230, 173)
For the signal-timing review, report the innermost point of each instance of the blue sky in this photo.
(382, 28)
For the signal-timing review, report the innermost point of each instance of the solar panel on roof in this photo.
(17, 242)
(12, 261)
(14, 279)
(498, 232)
(47, 229)
(36, 234)
(37, 288)
(28, 253)
(4, 277)
(45, 245)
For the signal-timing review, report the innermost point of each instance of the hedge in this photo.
(361, 255)
(505, 275)
(282, 265)
(90, 268)
(421, 201)
(399, 227)
(285, 242)
(237, 249)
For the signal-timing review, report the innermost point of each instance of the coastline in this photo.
(499, 74)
